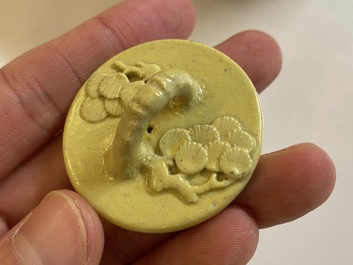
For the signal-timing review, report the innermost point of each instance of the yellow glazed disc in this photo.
(163, 136)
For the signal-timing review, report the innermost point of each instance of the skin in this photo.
(36, 91)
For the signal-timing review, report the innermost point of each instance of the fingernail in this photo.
(53, 234)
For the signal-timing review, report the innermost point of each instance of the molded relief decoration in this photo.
(109, 94)
(192, 161)
(202, 158)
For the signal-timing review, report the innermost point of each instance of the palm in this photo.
(37, 90)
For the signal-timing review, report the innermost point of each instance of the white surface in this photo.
(310, 101)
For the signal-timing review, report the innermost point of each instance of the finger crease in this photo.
(107, 28)
(70, 68)
(38, 94)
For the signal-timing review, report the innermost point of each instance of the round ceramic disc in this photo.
(194, 159)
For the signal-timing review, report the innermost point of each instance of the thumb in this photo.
(63, 229)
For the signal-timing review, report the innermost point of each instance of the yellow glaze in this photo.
(163, 136)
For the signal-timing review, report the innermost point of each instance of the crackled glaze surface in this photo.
(163, 136)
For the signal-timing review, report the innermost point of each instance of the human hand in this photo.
(36, 91)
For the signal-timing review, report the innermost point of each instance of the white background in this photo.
(310, 101)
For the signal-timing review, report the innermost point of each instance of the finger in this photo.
(37, 88)
(229, 238)
(288, 184)
(257, 53)
(128, 246)
(26, 186)
(63, 229)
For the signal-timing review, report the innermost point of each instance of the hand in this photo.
(36, 91)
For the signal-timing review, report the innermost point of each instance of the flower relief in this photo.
(107, 95)
(202, 158)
